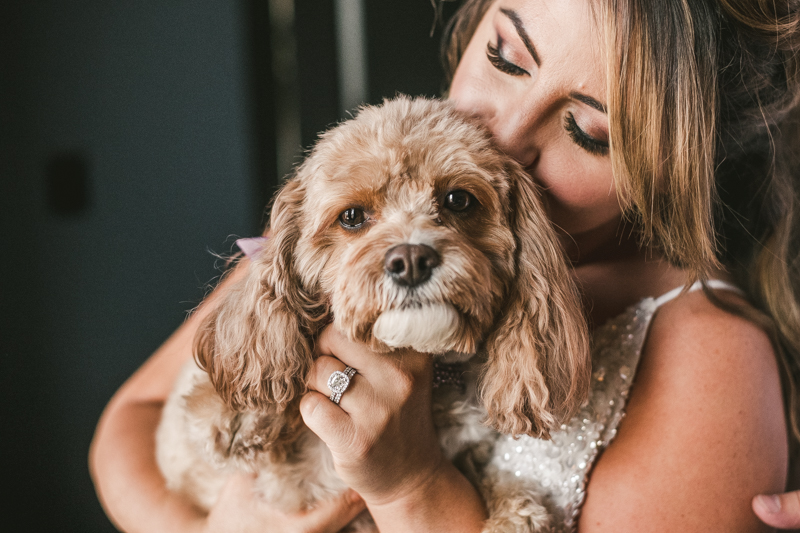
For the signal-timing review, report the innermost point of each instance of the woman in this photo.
(652, 127)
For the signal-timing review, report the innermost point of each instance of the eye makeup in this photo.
(498, 61)
(508, 62)
(584, 140)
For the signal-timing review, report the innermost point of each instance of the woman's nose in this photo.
(512, 128)
(515, 134)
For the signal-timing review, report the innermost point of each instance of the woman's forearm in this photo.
(127, 479)
(446, 503)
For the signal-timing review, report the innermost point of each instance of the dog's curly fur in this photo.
(501, 290)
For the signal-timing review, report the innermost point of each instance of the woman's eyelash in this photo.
(582, 139)
(500, 63)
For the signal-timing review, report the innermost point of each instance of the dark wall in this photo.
(403, 56)
(134, 138)
(150, 98)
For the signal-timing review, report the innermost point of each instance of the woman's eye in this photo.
(493, 53)
(352, 217)
(459, 201)
(583, 139)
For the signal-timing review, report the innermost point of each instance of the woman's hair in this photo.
(705, 133)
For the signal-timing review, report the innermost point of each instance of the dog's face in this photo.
(410, 228)
(405, 227)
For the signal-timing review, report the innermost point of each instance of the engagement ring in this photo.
(338, 383)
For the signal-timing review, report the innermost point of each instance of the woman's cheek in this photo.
(578, 196)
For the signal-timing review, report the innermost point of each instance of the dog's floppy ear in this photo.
(256, 345)
(538, 367)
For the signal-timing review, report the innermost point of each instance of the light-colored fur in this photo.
(425, 329)
(501, 291)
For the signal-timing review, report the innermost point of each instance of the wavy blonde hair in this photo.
(704, 135)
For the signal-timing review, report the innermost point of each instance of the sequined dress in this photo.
(561, 466)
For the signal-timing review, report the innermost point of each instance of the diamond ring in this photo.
(339, 381)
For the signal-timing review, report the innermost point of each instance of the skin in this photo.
(781, 511)
(704, 431)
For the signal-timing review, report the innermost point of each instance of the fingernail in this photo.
(772, 504)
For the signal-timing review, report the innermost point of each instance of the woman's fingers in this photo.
(330, 423)
(239, 510)
(333, 515)
(357, 355)
(779, 510)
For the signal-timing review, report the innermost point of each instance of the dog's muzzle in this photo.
(425, 322)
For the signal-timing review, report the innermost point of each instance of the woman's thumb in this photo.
(332, 515)
(779, 510)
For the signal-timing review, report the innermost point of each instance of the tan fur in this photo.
(538, 372)
(501, 280)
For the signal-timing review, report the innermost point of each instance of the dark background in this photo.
(135, 139)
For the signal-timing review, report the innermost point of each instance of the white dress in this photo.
(561, 466)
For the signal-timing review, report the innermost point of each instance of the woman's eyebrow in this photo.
(588, 100)
(512, 15)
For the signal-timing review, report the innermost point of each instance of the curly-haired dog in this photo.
(406, 228)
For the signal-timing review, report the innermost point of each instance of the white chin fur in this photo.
(429, 329)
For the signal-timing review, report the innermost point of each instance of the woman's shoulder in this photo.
(691, 332)
(704, 430)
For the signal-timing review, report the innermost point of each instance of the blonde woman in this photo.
(659, 131)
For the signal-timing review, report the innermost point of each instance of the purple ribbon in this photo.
(252, 246)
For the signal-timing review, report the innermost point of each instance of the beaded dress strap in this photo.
(697, 285)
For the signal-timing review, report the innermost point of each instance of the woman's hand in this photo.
(238, 510)
(381, 434)
(780, 510)
(383, 440)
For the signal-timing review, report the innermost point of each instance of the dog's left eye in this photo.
(459, 200)
(352, 217)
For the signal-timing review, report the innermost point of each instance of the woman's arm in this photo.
(704, 430)
(129, 483)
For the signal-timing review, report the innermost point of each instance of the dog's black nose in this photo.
(410, 264)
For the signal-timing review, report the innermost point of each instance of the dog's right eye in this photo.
(352, 218)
